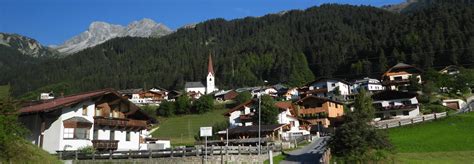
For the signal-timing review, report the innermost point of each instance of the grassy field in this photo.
(449, 140)
(4, 90)
(181, 129)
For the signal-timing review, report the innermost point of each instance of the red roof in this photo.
(63, 102)
(284, 105)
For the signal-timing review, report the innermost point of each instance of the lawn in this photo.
(4, 90)
(454, 133)
(448, 140)
(181, 129)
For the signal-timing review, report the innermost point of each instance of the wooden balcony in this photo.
(120, 123)
(105, 144)
(398, 107)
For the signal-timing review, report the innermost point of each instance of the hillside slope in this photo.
(449, 140)
(331, 40)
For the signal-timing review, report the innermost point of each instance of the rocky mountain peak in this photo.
(99, 32)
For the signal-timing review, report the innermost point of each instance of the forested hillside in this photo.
(331, 40)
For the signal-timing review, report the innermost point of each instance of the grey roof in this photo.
(79, 119)
(401, 65)
(130, 91)
(194, 85)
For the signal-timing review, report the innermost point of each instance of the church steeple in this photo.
(210, 85)
(210, 68)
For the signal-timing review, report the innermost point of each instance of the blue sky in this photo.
(55, 21)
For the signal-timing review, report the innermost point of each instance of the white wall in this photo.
(399, 113)
(201, 90)
(54, 134)
(75, 111)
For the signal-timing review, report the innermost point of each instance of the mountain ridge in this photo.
(100, 32)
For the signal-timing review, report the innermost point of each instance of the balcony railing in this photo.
(120, 123)
(105, 144)
(396, 82)
(398, 107)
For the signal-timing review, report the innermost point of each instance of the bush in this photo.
(204, 104)
(87, 149)
(166, 109)
(151, 110)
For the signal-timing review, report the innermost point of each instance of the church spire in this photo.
(210, 68)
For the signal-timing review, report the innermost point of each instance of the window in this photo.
(292, 123)
(397, 78)
(76, 133)
(84, 110)
(406, 102)
(127, 136)
(393, 113)
(81, 133)
(68, 133)
(333, 84)
(210, 79)
(406, 113)
(112, 135)
(96, 134)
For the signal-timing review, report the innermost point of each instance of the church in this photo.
(198, 87)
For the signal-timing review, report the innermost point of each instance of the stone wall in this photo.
(216, 159)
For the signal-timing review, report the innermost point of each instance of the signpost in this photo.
(205, 132)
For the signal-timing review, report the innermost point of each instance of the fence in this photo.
(172, 152)
(326, 156)
(408, 121)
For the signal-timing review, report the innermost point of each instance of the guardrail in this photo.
(408, 121)
(171, 152)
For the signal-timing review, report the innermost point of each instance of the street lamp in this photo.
(259, 117)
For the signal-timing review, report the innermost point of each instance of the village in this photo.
(112, 120)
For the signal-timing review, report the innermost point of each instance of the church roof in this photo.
(194, 85)
(210, 68)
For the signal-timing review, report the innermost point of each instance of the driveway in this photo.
(309, 154)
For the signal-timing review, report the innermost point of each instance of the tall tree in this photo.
(269, 112)
(356, 140)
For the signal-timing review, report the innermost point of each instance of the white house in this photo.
(102, 119)
(295, 124)
(329, 88)
(141, 97)
(398, 77)
(245, 113)
(369, 84)
(395, 104)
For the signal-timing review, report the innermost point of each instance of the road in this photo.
(309, 154)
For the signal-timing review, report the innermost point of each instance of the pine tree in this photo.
(356, 140)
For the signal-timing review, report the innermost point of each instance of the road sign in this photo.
(206, 131)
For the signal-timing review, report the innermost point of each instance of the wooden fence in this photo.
(172, 152)
(408, 121)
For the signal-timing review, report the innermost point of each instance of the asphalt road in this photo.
(309, 154)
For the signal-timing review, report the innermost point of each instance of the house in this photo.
(455, 104)
(319, 110)
(46, 96)
(198, 87)
(289, 94)
(141, 97)
(226, 95)
(398, 77)
(244, 115)
(264, 91)
(395, 104)
(102, 119)
(297, 126)
(331, 88)
(173, 95)
(450, 70)
(368, 84)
